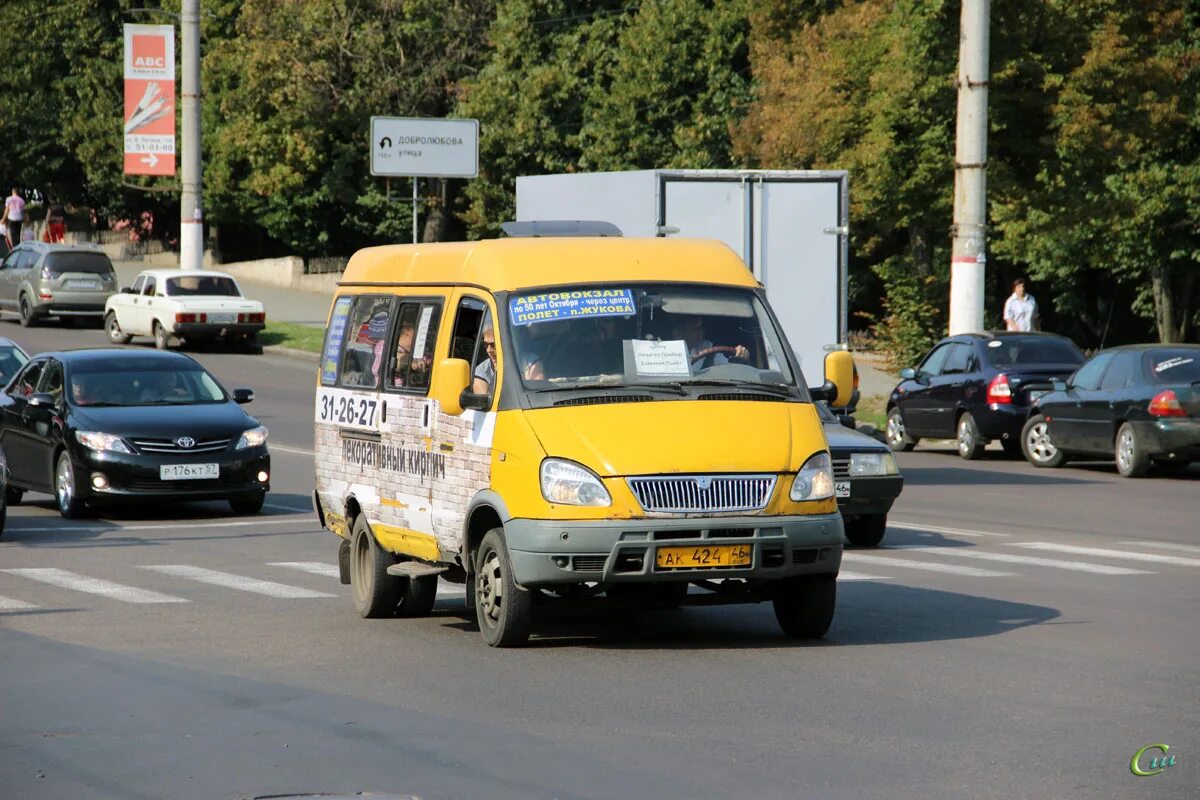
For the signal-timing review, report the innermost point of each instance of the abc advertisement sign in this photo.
(149, 100)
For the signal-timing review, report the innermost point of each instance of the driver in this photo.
(83, 390)
(701, 351)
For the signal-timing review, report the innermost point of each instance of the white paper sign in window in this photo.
(667, 359)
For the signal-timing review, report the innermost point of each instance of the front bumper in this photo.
(1178, 437)
(138, 475)
(185, 329)
(547, 552)
(870, 495)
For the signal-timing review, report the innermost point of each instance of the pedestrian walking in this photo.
(56, 223)
(14, 216)
(1021, 310)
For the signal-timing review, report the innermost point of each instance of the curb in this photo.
(291, 352)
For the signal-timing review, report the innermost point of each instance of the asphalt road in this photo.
(1021, 635)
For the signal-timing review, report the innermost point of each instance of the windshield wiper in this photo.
(103, 404)
(767, 387)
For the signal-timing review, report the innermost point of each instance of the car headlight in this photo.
(255, 437)
(100, 442)
(814, 481)
(572, 484)
(872, 464)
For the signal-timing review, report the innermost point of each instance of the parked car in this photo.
(12, 358)
(866, 478)
(91, 426)
(39, 280)
(1139, 405)
(977, 387)
(196, 306)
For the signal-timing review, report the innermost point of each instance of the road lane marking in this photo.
(292, 509)
(929, 566)
(81, 583)
(1183, 548)
(847, 575)
(1076, 566)
(918, 526)
(311, 567)
(230, 581)
(1106, 553)
(121, 528)
(300, 451)
(9, 604)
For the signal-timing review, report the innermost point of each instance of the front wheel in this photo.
(897, 435)
(970, 441)
(1132, 459)
(804, 605)
(504, 610)
(1036, 445)
(162, 339)
(113, 328)
(867, 530)
(66, 488)
(376, 594)
(25, 311)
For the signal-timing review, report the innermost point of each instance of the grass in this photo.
(873, 411)
(293, 335)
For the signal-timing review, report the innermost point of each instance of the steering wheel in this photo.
(708, 351)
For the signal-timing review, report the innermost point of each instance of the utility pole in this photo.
(969, 251)
(191, 214)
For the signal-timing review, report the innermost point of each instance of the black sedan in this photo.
(866, 479)
(1139, 405)
(90, 426)
(977, 387)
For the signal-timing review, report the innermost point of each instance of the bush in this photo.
(912, 320)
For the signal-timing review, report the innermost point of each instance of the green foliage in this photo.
(912, 321)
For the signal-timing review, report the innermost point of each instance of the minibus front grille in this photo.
(703, 493)
(596, 399)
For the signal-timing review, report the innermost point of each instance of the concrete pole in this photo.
(191, 214)
(969, 252)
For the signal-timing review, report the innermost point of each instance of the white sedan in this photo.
(196, 305)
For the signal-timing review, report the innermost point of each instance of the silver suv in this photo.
(38, 280)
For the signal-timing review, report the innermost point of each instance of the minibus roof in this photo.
(518, 263)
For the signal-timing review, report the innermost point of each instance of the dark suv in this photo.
(977, 387)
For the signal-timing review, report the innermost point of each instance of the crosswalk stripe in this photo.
(929, 566)
(311, 567)
(919, 526)
(230, 581)
(81, 583)
(1183, 548)
(9, 604)
(1076, 566)
(847, 575)
(1106, 553)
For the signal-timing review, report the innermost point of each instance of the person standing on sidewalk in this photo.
(1021, 310)
(14, 216)
(56, 223)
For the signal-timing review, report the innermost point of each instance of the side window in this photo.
(956, 361)
(52, 380)
(335, 333)
(10, 261)
(413, 341)
(138, 284)
(148, 286)
(934, 361)
(366, 338)
(1088, 376)
(1120, 371)
(26, 260)
(472, 325)
(27, 381)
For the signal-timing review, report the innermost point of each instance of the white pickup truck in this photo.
(196, 305)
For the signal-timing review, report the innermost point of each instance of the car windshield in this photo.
(11, 360)
(142, 382)
(1174, 365)
(202, 286)
(646, 335)
(91, 263)
(1009, 350)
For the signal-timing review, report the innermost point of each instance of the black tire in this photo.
(503, 609)
(804, 605)
(248, 504)
(970, 441)
(1132, 459)
(162, 339)
(113, 329)
(897, 434)
(66, 488)
(866, 530)
(1036, 445)
(418, 596)
(25, 311)
(13, 495)
(376, 594)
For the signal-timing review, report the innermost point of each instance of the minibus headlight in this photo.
(572, 484)
(814, 481)
(872, 464)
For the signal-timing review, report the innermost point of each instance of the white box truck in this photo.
(789, 226)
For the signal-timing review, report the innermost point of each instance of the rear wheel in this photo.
(376, 594)
(1036, 445)
(1132, 459)
(897, 434)
(66, 488)
(866, 530)
(970, 441)
(804, 605)
(162, 339)
(504, 610)
(113, 328)
(418, 596)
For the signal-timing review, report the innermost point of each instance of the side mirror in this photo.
(1059, 386)
(839, 379)
(41, 400)
(451, 379)
(908, 374)
(126, 290)
(243, 396)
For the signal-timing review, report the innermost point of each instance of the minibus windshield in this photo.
(646, 335)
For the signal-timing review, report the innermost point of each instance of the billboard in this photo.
(149, 100)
